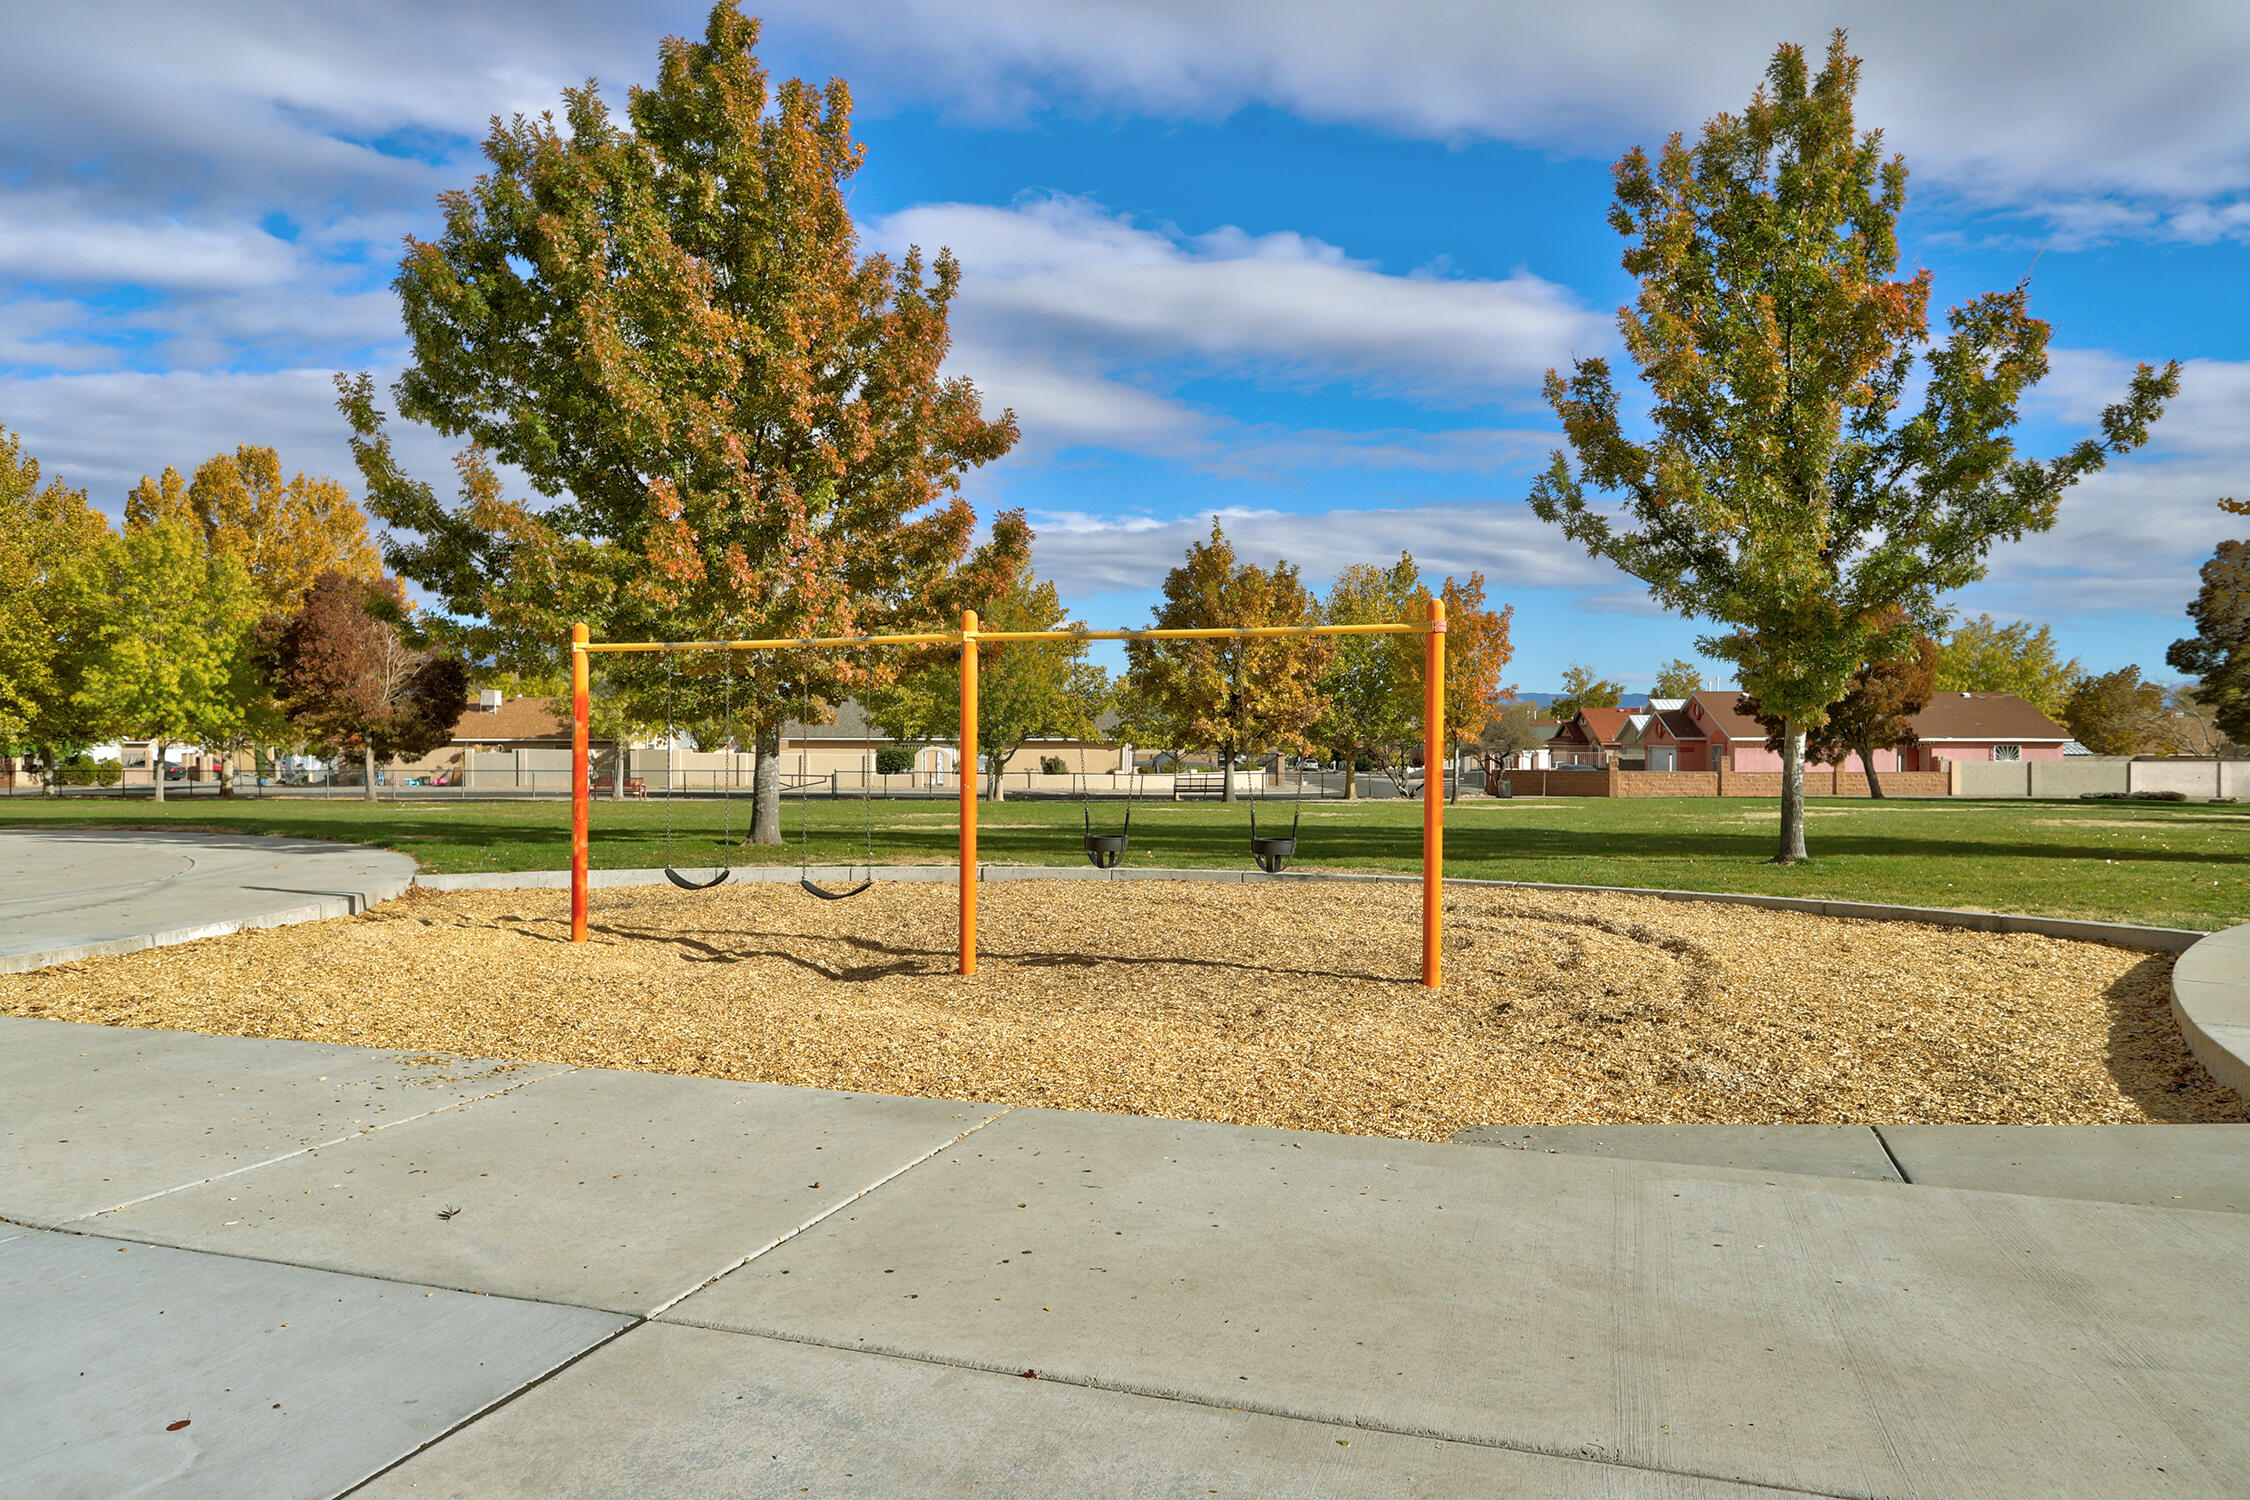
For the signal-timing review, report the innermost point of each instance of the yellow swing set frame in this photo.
(1432, 629)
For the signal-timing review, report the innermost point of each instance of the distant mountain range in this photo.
(1630, 700)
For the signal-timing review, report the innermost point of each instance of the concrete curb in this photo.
(2115, 934)
(2211, 1001)
(346, 905)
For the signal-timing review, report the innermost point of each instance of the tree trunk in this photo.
(765, 787)
(996, 766)
(1792, 795)
(225, 764)
(156, 766)
(1226, 779)
(367, 771)
(1867, 763)
(621, 756)
(1351, 772)
(47, 771)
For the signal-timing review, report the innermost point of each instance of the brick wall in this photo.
(1667, 784)
(1821, 783)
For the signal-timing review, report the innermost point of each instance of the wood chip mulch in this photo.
(1291, 1006)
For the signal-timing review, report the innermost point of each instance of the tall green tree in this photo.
(1983, 656)
(1026, 690)
(1371, 682)
(51, 610)
(736, 422)
(1801, 488)
(1241, 696)
(285, 533)
(1582, 688)
(166, 663)
(2217, 656)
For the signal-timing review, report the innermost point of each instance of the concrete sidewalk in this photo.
(339, 1268)
(70, 893)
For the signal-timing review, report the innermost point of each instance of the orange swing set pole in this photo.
(968, 791)
(1433, 795)
(579, 792)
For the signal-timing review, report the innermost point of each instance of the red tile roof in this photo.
(1606, 723)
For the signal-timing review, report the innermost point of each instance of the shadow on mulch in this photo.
(2149, 1057)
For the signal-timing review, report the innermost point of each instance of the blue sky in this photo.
(1300, 265)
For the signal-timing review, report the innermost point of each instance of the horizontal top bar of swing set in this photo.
(954, 637)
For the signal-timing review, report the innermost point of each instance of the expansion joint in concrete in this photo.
(1896, 1165)
(507, 1400)
(321, 1145)
(782, 1239)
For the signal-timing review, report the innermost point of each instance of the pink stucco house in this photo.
(1982, 726)
(1706, 733)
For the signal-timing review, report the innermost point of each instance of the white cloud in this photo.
(2131, 537)
(1087, 554)
(2019, 104)
(1085, 322)
(1060, 271)
(104, 431)
(256, 165)
(42, 239)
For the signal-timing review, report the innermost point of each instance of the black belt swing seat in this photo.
(726, 800)
(812, 889)
(805, 881)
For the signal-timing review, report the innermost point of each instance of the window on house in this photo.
(2007, 752)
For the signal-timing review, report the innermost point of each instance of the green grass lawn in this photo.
(2163, 864)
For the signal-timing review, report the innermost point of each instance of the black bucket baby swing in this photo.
(1271, 852)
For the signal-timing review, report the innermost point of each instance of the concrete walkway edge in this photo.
(2211, 1001)
(313, 911)
(62, 898)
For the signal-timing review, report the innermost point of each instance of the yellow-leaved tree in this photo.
(285, 533)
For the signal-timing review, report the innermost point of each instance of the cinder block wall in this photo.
(2078, 775)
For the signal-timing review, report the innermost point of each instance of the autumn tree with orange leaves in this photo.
(733, 419)
(1788, 491)
(1237, 696)
(1477, 650)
